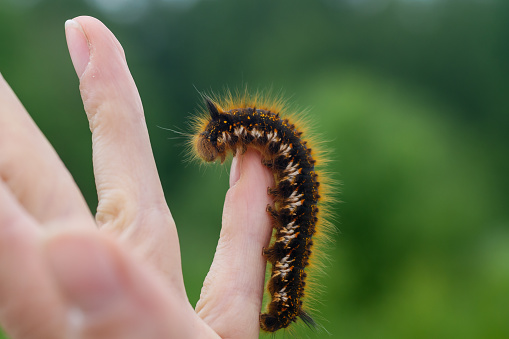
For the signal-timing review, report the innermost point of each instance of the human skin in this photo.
(65, 273)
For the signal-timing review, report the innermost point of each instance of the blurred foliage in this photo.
(410, 94)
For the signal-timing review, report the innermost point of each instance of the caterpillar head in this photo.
(209, 144)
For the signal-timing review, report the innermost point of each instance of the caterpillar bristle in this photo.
(212, 107)
(306, 318)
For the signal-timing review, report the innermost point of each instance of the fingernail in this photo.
(85, 271)
(78, 45)
(235, 170)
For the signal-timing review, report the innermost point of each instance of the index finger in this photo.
(132, 205)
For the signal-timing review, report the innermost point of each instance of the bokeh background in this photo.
(411, 95)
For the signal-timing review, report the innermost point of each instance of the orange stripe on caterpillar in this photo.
(253, 121)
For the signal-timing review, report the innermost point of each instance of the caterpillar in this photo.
(231, 125)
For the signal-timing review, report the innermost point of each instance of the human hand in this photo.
(66, 274)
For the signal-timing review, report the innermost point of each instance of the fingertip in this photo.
(78, 46)
(249, 168)
(91, 43)
(97, 32)
(247, 199)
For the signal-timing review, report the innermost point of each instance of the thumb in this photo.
(109, 296)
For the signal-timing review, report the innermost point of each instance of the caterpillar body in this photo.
(255, 121)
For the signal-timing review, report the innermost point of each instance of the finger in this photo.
(109, 295)
(31, 168)
(232, 293)
(29, 304)
(131, 200)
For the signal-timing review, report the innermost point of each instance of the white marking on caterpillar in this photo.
(272, 136)
(287, 238)
(256, 133)
(293, 206)
(226, 136)
(287, 231)
(284, 149)
(291, 167)
(294, 197)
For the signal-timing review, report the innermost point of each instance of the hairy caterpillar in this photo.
(232, 125)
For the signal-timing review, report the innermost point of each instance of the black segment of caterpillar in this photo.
(296, 196)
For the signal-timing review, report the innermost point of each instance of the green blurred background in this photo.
(412, 96)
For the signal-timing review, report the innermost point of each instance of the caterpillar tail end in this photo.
(270, 323)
